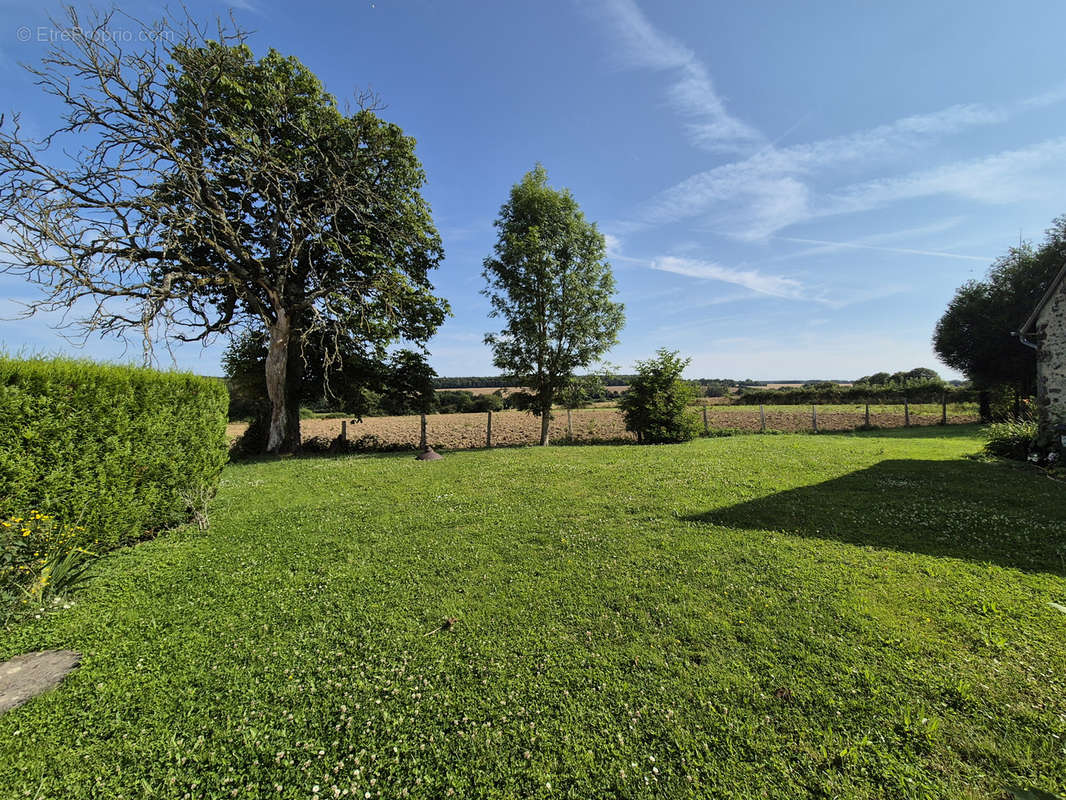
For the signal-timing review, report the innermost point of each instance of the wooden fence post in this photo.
(814, 418)
(423, 443)
(488, 431)
(867, 415)
(762, 419)
(906, 412)
(943, 408)
(344, 430)
(569, 425)
(706, 429)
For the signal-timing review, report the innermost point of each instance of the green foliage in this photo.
(629, 602)
(975, 334)
(918, 376)
(488, 402)
(217, 191)
(407, 384)
(455, 402)
(582, 391)
(118, 451)
(550, 283)
(348, 382)
(1012, 439)
(656, 405)
(914, 391)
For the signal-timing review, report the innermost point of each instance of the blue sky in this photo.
(789, 190)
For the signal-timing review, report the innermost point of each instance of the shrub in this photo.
(455, 402)
(1013, 439)
(656, 405)
(487, 402)
(114, 450)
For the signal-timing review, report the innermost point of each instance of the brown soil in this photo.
(463, 431)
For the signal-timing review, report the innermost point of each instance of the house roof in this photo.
(1054, 287)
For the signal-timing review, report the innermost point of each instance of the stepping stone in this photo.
(31, 674)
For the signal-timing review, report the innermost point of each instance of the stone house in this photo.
(1046, 327)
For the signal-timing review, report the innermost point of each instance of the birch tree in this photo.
(550, 283)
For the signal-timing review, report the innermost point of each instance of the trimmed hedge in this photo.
(120, 451)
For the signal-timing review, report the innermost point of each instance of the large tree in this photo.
(191, 189)
(977, 334)
(550, 282)
(357, 383)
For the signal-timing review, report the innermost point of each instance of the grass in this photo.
(828, 616)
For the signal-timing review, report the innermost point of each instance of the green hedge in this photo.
(919, 392)
(121, 451)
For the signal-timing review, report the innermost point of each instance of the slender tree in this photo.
(550, 283)
(192, 188)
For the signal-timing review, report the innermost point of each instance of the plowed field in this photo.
(462, 431)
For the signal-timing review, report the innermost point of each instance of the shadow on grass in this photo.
(984, 512)
(964, 431)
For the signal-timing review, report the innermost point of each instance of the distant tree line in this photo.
(919, 385)
(609, 379)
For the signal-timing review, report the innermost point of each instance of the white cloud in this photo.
(771, 190)
(1005, 177)
(872, 240)
(692, 93)
(902, 250)
(773, 285)
(775, 187)
(614, 245)
(1051, 97)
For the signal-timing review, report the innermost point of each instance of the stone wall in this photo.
(1051, 367)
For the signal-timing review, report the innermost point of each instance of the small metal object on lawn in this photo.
(429, 454)
(444, 626)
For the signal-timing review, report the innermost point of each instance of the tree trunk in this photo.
(282, 381)
(545, 420)
(984, 400)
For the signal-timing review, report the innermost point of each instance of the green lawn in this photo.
(788, 616)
